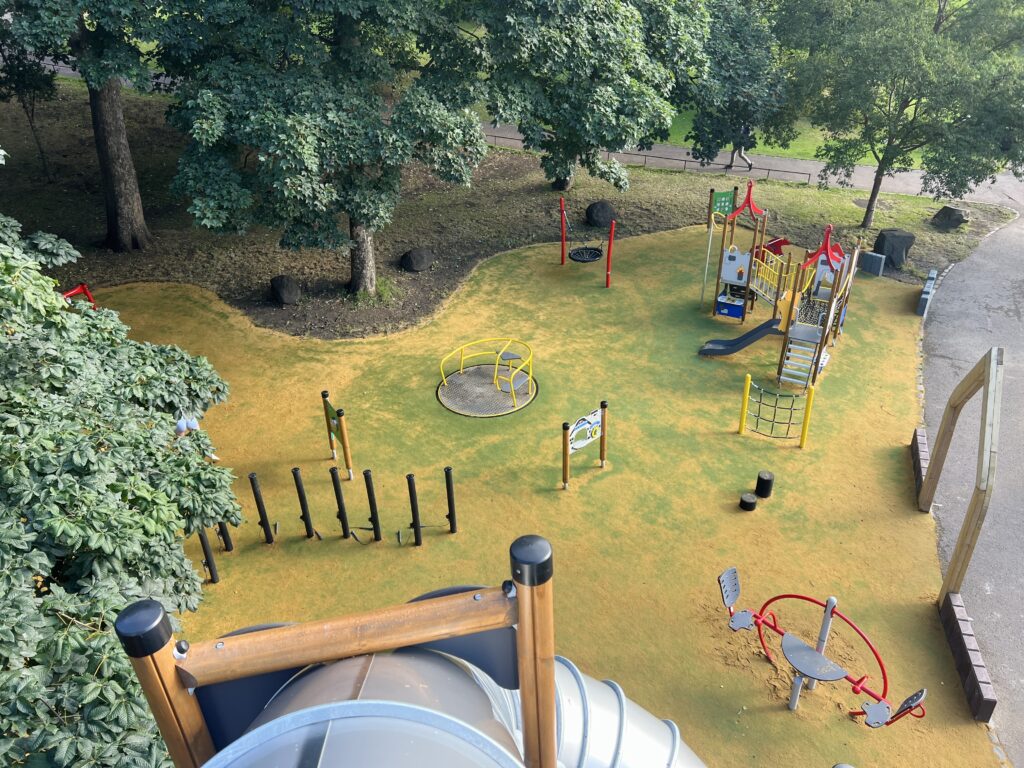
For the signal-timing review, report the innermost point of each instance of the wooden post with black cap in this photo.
(532, 570)
(144, 630)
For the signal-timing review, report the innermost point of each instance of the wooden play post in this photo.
(565, 455)
(561, 210)
(346, 451)
(144, 630)
(532, 571)
(987, 375)
(324, 395)
(604, 432)
(608, 260)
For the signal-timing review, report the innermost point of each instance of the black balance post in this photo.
(765, 483)
(449, 486)
(748, 502)
(208, 560)
(414, 506)
(371, 498)
(225, 536)
(268, 535)
(340, 497)
(303, 504)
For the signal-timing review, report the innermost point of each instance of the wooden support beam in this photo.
(532, 570)
(231, 658)
(144, 630)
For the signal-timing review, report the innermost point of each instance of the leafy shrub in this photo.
(96, 493)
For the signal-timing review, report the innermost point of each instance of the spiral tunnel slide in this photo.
(433, 710)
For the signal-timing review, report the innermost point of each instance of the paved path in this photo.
(980, 304)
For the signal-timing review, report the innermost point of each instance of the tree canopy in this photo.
(307, 112)
(899, 79)
(96, 492)
(743, 92)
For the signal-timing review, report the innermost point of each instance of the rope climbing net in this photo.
(779, 415)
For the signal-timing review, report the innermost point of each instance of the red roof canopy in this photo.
(834, 251)
(748, 203)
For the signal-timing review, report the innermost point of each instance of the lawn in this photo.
(638, 545)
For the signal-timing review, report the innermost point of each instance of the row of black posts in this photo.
(347, 531)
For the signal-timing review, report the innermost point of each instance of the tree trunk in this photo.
(126, 223)
(364, 265)
(31, 116)
(876, 187)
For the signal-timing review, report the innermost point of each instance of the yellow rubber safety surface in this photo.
(638, 545)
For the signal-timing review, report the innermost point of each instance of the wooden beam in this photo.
(532, 572)
(987, 369)
(144, 630)
(232, 658)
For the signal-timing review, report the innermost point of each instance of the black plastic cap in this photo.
(325, 394)
(532, 561)
(565, 425)
(604, 403)
(252, 475)
(339, 412)
(143, 628)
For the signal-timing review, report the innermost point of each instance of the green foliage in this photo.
(302, 113)
(591, 75)
(744, 86)
(893, 77)
(95, 491)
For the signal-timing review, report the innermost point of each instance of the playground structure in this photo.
(586, 429)
(473, 681)
(583, 252)
(809, 298)
(781, 415)
(811, 664)
(501, 385)
(762, 271)
(80, 290)
(337, 430)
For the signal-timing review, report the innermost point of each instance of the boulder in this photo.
(895, 245)
(285, 289)
(950, 217)
(417, 260)
(562, 185)
(601, 214)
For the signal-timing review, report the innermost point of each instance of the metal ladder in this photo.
(796, 368)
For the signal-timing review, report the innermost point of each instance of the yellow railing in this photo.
(503, 351)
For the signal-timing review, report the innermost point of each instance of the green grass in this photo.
(638, 545)
(803, 147)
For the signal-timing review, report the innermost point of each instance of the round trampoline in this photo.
(501, 385)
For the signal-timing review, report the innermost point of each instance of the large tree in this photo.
(96, 492)
(939, 80)
(304, 114)
(588, 76)
(107, 42)
(742, 95)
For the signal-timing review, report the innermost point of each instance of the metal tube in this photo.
(608, 261)
(225, 536)
(826, 626)
(303, 504)
(414, 506)
(340, 498)
(371, 498)
(268, 535)
(449, 486)
(208, 560)
(743, 408)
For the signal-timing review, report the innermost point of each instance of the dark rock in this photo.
(417, 260)
(285, 289)
(950, 216)
(562, 185)
(895, 245)
(601, 214)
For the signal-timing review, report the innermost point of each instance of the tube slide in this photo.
(717, 347)
(430, 710)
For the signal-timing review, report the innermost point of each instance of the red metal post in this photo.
(608, 267)
(561, 209)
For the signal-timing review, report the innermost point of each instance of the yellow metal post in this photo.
(807, 416)
(743, 408)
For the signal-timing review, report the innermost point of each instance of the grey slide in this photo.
(717, 347)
